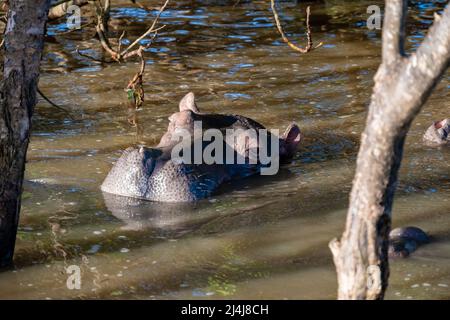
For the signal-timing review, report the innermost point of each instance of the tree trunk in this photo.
(402, 85)
(24, 41)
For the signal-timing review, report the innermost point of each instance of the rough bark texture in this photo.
(24, 41)
(402, 85)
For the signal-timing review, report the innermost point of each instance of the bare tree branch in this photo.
(428, 64)
(394, 30)
(54, 104)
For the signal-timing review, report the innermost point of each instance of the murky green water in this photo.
(265, 237)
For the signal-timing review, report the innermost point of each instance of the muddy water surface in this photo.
(265, 237)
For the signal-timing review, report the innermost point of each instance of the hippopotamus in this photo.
(152, 173)
(404, 241)
(438, 134)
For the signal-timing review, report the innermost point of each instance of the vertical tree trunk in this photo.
(24, 41)
(402, 85)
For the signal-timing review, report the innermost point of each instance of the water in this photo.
(265, 237)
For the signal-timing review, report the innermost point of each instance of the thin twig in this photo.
(102, 15)
(140, 5)
(309, 42)
(135, 88)
(87, 24)
(119, 44)
(54, 104)
(59, 2)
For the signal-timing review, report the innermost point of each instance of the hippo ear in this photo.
(188, 103)
(442, 124)
(291, 138)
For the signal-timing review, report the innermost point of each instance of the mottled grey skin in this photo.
(438, 134)
(404, 241)
(150, 174)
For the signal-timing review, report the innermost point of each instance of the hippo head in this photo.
(189, 112)
(438, 133)
(130, 174)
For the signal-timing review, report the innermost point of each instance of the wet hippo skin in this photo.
(438, 134)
